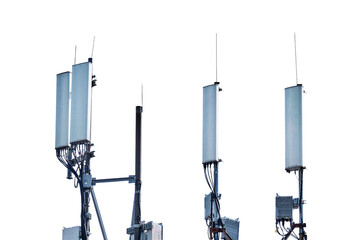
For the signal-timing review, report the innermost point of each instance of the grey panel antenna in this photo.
(81, 102)
(293, 128)
(210, 105)
(62, 110)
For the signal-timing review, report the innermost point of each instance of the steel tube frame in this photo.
(216, 190)
(302, 234)
(85, 194)
(98, 214)
(136, 218)
(94, 180)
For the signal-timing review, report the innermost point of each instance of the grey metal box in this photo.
(87, 180)
(156, 231)
(62, 110)
(284, 208)
(149, 231)
(232, 228)
(207, 205)
(73, 233)
(81, 102)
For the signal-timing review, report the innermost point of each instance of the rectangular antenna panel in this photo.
(293, 128)
(62, 110)
(81, 102)
(210, 105)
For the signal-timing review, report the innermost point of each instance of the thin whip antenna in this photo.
(92, 51)
(142, 95)
(75, 55)
(216, 58)
(295, 59)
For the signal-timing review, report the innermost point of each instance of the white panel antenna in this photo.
(210, 105)
(81, 102)
(62, 110)
(293, 128)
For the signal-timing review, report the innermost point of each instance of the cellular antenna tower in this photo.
(218, 227)
(293, 162)
(73, 149)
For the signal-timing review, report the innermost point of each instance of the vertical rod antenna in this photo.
(216, 58)
(92, 50)
(296, 70)
(142, 95)
(75, 55)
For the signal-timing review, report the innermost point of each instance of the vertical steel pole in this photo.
(86, 192)
(216, 189)
(301, 221)
(216, 165)
(137, 209)
(216, 185)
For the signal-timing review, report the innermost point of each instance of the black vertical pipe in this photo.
(137, 210)
(216, 190)
(86, 194)
(301, 220)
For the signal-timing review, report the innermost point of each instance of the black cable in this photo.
(277, 230)
(68, 166)
(76, 180)
(206, 177)
(83, 231)
(64, 159)
(287, 231)
(211, 178)
(217, 202)
(294, 236)
(282, 228)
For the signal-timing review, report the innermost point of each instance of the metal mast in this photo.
(73, 150)
(302, 234)
(136, 219)
(293, 162)
(218, 227)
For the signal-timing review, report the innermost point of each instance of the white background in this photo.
(169, 47)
